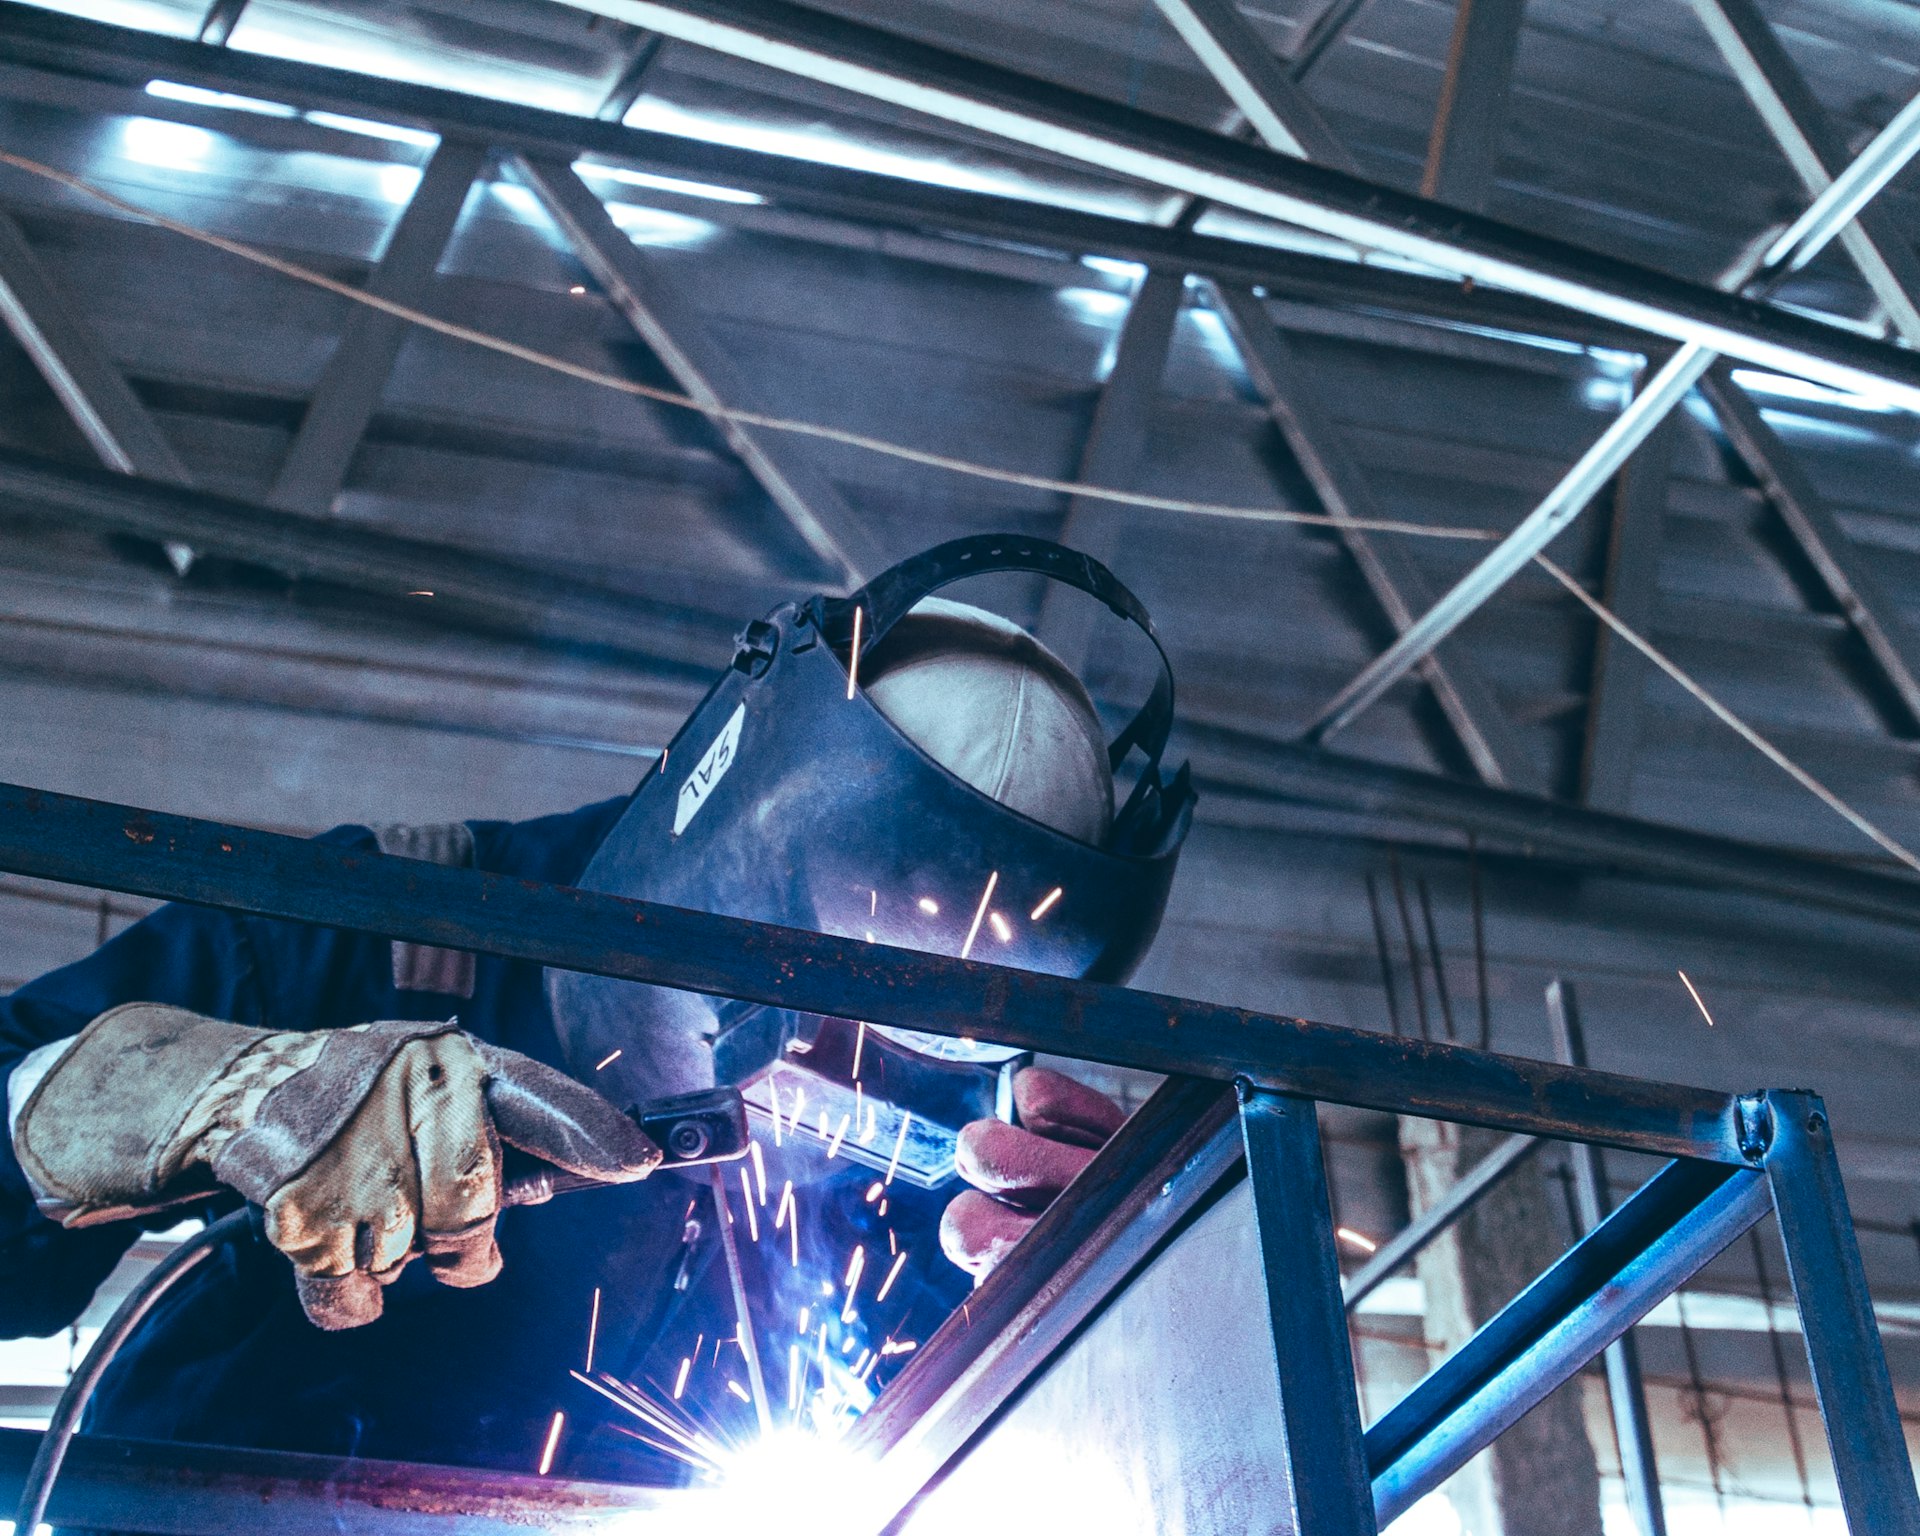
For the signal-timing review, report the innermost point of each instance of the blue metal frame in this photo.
(1735, 1159)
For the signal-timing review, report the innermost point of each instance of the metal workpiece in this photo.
(1407, 1244)
(1159, 1168)
(163, 1489)
(177, 858)
(1604, 1285)
(1326, 1463)
(1849, 1366)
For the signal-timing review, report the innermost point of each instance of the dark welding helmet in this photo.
(790, 796)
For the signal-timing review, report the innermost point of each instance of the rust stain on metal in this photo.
(139, 829)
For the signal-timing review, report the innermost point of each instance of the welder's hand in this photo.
(365, 1146)
(1016, 1170)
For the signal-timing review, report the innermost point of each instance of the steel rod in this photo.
(1412, 1239)
(90, 842)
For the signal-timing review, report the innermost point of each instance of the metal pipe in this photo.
(1626, 1390)
(90, 842)
(1416, 1447)
(1111, 137)
(1410, 1240)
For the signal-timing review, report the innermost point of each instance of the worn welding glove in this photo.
(1016, 1170)
(364, 1146)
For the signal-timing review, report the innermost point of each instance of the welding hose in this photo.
(38, 1488)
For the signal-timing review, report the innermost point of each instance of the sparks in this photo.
(856, 1266)
(873, 1191)
(840, 1135)
(1359, 1240)
(796, 1378)
(1694, 993)
(773, 1098)
(785, 1205)
(859, 1044)
(1002, 929)
(929, 906)
(903, 1347)
(1046, 905)
(893, 1243)
(799, 1103)
(759, 1170)
(899, 1145)
(680, 1381)
(746, 1199)
(553, 1444)
(853, 655)
(593, 1327)
(871, 1128)
(892, 1275)
(979, 914)
(607, 1061)
(420, 592)
(737, 1390)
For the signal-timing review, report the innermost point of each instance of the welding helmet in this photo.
(815, 788)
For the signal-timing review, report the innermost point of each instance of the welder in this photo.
(859, 769)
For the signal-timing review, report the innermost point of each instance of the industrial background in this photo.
(273, 557)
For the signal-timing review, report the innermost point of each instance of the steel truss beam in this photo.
(65, 47)
(1464, 150)
(652, 303)
(112, 847)
(1111, 137)
(350, 386)
(1479, 721)
(1799, 125)
(1841, 565)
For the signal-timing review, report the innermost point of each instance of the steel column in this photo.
(1799, 125)
(1841, 565)
(1631, 587)
(1609, 1281)
(1411, 1240)
(1115, 448)
(1319, 1403)
(89, 842)
(350, 386)
(1468, 125)
(1111, 137)
(1870, 1458)
(1485, 731)
(652, 303)
(1626, 1389)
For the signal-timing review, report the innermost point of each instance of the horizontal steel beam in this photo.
(1112, 137)
(162, 1489)
(465, 587)
(1536, 827)
(65, 47)
(115, 847)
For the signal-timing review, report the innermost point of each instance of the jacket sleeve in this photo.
(247, 970)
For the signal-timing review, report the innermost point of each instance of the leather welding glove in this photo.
(364, 1146)
(1016, 1170)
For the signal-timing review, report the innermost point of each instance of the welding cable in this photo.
(718, 412)
(60, 1430)
(960, 466)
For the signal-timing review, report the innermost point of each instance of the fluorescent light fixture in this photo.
(398, 183)
(199, 96)
(1131, 271)
(656, 226)
(667, 183)
(171, 146)
(1781, 386)
(392, 132)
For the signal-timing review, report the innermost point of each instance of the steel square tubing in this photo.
(1605, 1284)
(115, 847)
(1044, 116)
(1849, 1367)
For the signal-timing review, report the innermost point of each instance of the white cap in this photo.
(996, 708)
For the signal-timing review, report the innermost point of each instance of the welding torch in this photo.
(691, 1129)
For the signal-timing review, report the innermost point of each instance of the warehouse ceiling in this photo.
(412, 577)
